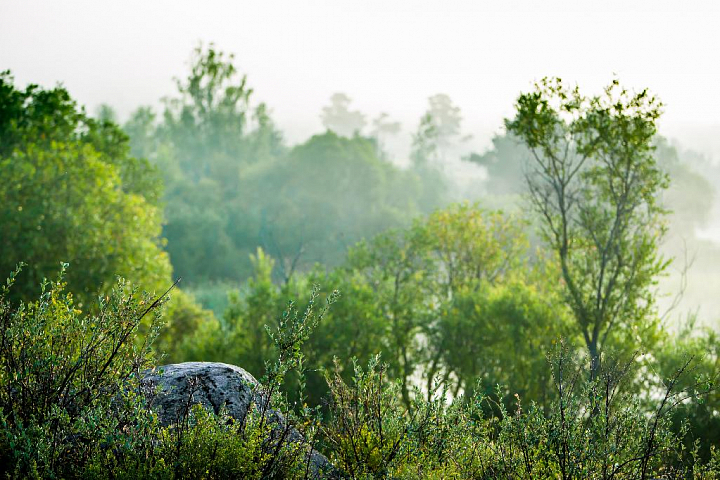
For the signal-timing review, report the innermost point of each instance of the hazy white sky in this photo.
(388, 55)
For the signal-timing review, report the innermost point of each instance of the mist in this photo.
(495, 189)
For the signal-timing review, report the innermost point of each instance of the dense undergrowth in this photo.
(72, 406)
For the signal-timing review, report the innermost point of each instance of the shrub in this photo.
(69, 382)
(72, 404)
(592, 430)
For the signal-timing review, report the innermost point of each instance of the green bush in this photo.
(593, 430)
(69, 382)
(72, 404)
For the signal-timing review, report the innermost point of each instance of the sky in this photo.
(388, 56)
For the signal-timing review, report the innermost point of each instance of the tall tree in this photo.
(383, 128)
(208, 119)
(340, 119)
(439, 130)
(595, 184)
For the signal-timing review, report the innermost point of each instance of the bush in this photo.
(69, 383)
(72, 404)
(593, 430)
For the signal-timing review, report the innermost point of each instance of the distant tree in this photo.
(207, 122)
(505, 162)
(211, 137)
(106, 113)
(321, 198)
(340, 119)
(439, 130)
(141, 128)
(690, 196)
(425, 144)
(383, 128)
(425, 162)
(446, 117)
(231, 185)
(595, 184)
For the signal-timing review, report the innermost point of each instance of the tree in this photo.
(596, 185)
(438, 131)
(340, 119)
(243, 337)
(322, 197)
(70, 192)
(697, 420)
(691, 195)
(458, 294)
(505, 162)
(383, 128)
(446, 117)
(436, 136)
(106, 113)
(209, 145)
(207, 121)
(397, 269)
(141, 128)
(425, 163)
(487, 296)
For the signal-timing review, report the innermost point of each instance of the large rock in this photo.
(217, 385)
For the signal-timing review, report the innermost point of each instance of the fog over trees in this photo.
(418, 297)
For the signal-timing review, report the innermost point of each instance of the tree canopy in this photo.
(73, 193)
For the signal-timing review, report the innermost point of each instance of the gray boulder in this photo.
(217, 385)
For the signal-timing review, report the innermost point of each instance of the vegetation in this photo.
(72, 406)
(71, 192)
(595, 185)
(481, 338)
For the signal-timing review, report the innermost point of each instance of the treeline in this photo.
(233, 185)
(461, 300)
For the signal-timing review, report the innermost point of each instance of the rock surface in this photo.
(215, 385)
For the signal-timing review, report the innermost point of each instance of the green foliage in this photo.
(233, 186)
(595, 185)
(68, 386)
(462, 311)
(244, 335)
(699, 412)
(371, 434)
(208, 447)
(454, 297)
(506, 164)
(367, 426)
(187, 327)
(72, 406)
(327, 194)
(70, 192)
(454, 291)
